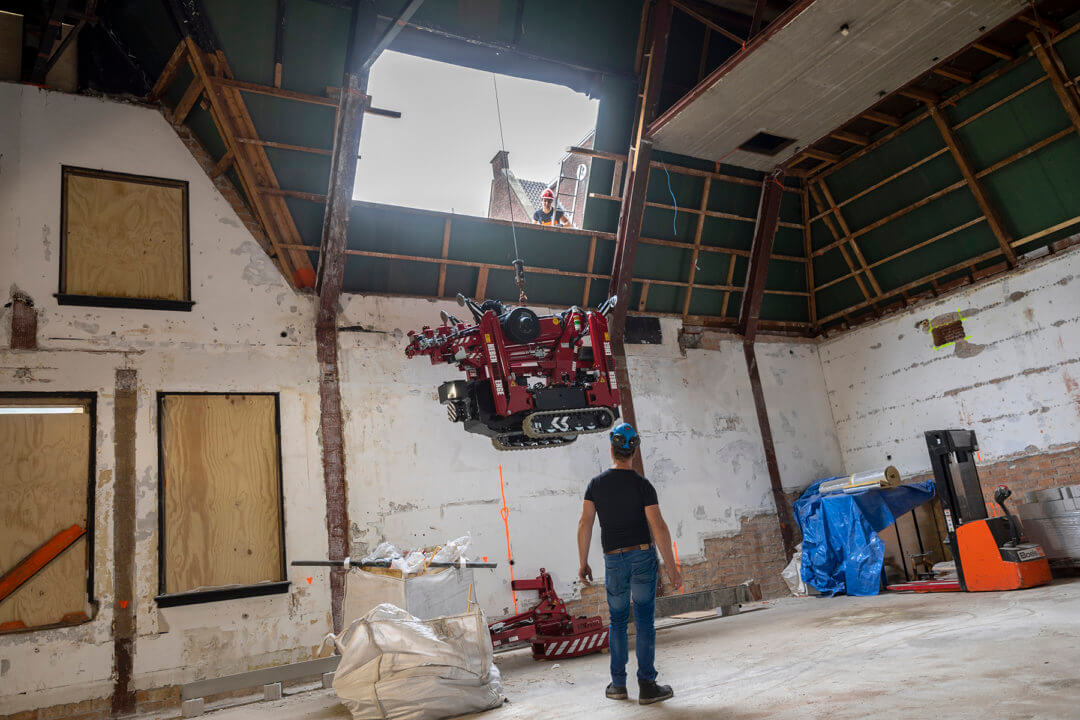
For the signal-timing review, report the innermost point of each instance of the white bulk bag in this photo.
(396, 667)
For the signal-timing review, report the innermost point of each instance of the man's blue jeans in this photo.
(631, 575)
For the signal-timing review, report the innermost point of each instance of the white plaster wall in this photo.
(1014, 381)
(248, 331)
(417, 479)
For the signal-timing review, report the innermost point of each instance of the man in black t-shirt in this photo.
(547, 211)
(630, 522)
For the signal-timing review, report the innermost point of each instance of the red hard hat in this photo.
(547, 194)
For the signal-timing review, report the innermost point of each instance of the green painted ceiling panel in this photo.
(308, 218)
(837, 297)
(789, 241)
(734, 198)
(784, 307)
(366, 274)
(460, 279)
(665, 299)
(1018, 124)
(294, 123)
(829, 266)
(934, 258)
(598, 292)
(945, 213)
(712, 268)
(202, 124)
(993, 91)
(668, 225)
(786, 276)
(662, 263)
(1040, 190)
(390, 232)
(890, 158)
(820, 236)
(246, 29)
(790, 207)
(735, 304)
(541, 289)
(299, 171)
(313, 55)
(707, 302)
(602, 215)
(921, 182)
(725, 233)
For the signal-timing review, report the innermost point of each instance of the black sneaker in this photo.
(650, 692)
(615, 692)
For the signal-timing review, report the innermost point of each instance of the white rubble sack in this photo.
(454, 550)
(792, 574)
(396, 667)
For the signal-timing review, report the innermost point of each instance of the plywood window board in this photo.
(221, 513)
(125, 241)
(46, 486)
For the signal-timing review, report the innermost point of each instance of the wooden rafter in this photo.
(704, 205)
(709, 24)
(847, 233)
(989, 210)
(234, 122)
(840, 240)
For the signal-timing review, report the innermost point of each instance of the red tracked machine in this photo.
(552, 631)
(532, 381)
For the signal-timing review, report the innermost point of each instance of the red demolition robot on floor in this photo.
(531, 381)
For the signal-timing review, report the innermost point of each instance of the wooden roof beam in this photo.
(917, 93)
(962, 76)
(850, 137)
(993, 218)
(882, 118)
(992, 49)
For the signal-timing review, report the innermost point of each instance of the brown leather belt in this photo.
(632, 548)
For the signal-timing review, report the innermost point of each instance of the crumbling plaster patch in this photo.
(1006, 381)
(230, 342)
(415, 478)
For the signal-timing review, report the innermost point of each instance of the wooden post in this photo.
(808, 243)
(330, 276)
(997, 224)
(124, 519)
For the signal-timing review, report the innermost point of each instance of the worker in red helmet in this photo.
(631, 531)
(544, 215)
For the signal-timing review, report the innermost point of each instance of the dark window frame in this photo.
(65, 298)
(91, 488)
(228, 592)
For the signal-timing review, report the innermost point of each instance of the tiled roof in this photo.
(532, 190)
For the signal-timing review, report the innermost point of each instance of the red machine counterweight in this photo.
(548, 627)
(531, 381)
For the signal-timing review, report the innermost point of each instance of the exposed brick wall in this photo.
(754, 553)
(146, 701)
(1026, 473)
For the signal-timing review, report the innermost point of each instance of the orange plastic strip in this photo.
(676, 546)
(505, 512)
(38, 559)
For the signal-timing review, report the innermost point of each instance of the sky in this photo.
(437, 156)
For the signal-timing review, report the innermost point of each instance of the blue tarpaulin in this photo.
(841, 549)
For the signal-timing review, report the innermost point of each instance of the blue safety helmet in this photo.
(624, 439)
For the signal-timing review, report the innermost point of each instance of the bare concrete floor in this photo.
(952, 655)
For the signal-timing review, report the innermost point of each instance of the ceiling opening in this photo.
(445, 153)
(766, 144)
